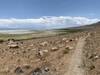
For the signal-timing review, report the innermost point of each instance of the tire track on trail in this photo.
(76, 62)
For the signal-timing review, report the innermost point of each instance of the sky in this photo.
(48, 13)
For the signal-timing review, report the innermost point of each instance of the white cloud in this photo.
(49, 21)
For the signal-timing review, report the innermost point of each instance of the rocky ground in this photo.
(92, 53)
(42, 56)
(51, 55)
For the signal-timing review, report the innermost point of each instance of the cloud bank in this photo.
(47, 22)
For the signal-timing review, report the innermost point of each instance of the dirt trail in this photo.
(75, 66)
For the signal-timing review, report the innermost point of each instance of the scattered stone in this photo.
(39, 53)
(26, 66)
(44, 43)
(42, 53)
(13, 46)
(92, 67)
(94, 57)
(69, 47)
(54, 48)
(64, 39)
(46, 69)
(37, 71)
(40, 71)
(45, 51)
(18, 70)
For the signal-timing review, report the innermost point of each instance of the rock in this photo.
(46, 69)
(92, 67)
(37, 71)
(69, 47)
(13, 46)
(96, 57)
(67, 41)
(26, 66)
(40, 71)
(18, 70)
(54, 48)
(39, 53)
(45, 51)
(42, 53)
(44, 43)
(64, 39)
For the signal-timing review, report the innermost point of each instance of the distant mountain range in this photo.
(42, 27)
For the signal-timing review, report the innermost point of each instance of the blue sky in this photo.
(13, 12)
